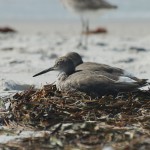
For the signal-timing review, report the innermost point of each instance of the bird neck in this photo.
(69, 71)
(78, 62)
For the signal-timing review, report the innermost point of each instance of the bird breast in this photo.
(60, 80)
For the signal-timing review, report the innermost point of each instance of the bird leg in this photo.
(83, 36)
(80, 43)
(86, 33)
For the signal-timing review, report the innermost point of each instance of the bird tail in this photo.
(143, 82)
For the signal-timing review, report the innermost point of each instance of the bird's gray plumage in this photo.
(87, 5)
(103, 69)
(86, 81)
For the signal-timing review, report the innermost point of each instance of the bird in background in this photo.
(87, 9)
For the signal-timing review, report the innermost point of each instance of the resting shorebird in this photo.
(113, 72)
(90, 82)
(85, 9)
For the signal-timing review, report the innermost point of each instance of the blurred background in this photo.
(52, 10)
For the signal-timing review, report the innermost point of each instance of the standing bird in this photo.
(86, 8)
(88, 81)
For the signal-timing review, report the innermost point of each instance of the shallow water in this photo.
(52, 10)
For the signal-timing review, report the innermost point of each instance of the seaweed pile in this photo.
(75, 120)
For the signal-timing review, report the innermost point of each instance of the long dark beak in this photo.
(44, 71)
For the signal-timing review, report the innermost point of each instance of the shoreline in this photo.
(130, 27)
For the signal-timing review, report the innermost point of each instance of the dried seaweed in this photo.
(75, 120)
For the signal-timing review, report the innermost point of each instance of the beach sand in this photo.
(37, 45)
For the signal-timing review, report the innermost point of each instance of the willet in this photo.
(85, 9)
(87, 81)
(103, 69)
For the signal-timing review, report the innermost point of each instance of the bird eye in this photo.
(60, 62)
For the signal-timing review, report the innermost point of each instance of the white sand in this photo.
(36, 46)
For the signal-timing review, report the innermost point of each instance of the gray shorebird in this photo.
(88, 81)
(103, 69)
(85, 9)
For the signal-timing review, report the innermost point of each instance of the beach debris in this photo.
(7, 49)
(128, 60)
(7, 30)
(138, 49)
(75, 120)
(102, 44)
(96, 31)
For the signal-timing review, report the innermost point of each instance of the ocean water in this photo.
(32, 10)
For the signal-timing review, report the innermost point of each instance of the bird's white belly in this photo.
(125, 79)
